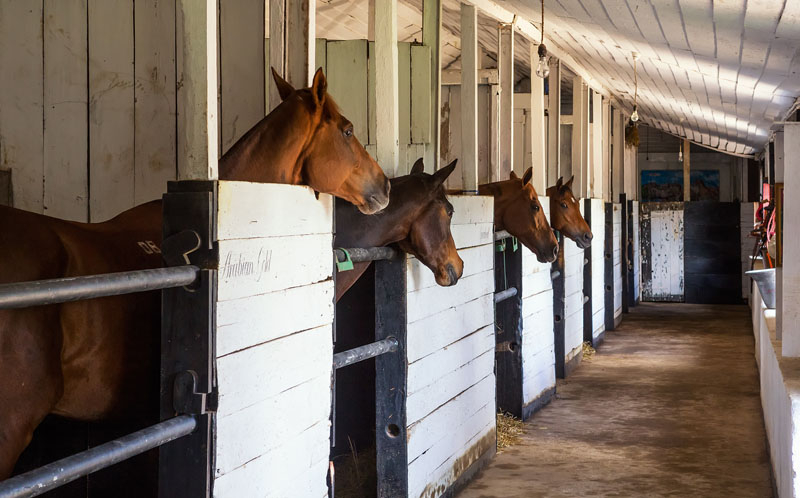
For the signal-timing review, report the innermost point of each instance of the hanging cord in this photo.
(542, 39)
(635, 81)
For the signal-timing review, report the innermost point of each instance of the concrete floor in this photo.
(669, 406)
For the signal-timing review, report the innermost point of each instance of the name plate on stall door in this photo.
(250, 267)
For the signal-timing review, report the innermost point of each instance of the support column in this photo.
(687, 184)
(198, 143)
(536, 126)
(790, 299)
(580, 138)
(431, 37)
(505, 66)
(607, 137)
(469, 98)
(554, 123)
(292, 43)
(779, 168)
(386, 87)
(617, 159)
(596, 182)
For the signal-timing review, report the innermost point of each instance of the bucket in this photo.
(765, 279)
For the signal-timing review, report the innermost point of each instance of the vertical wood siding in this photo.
(573, 301)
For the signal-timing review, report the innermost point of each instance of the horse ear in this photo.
(558, 183)
(284, 88)
(569, 183)
(527, 176)
(319, 88)
(440, 176)
(419, 167)
(512, 176)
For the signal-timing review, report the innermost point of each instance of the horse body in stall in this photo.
(417, 219)
(99, 359)
(565, 214)
(518, 211)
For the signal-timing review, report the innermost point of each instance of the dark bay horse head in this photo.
(565, 214)
(307, 141)
(417, 219)
(518, 211)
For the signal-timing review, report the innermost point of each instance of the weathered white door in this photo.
(662, 251)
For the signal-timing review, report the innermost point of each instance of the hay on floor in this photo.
(509, 430)
(588, 351)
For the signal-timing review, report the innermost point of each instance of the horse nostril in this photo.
(587, 236)
(555, 251)
(451, 273)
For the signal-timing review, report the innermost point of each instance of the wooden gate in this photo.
(662, 230)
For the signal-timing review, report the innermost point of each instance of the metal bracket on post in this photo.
(187, 337)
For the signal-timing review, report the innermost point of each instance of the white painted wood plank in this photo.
(263, 371)
(472, 235)
(387, 86)
(249, 267)
(469, 209)
(271, 425)
(506, 71)
(21, 133)
(155, 155)
(347, 82)
(534, 385)
(404, 98)
(111, 99)
(65, 159)
(432, 38)
(536, 127)
(250, 210)
(432, 300)
(554, 124)
(476, 259)
(241, 26)
(300, 42)
(196, 54)
(251, 320)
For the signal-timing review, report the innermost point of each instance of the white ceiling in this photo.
(719, 72)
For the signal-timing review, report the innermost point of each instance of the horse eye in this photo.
(348, 132)
(564, 205)
(536, 207)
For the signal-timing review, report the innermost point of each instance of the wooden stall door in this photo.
(662, 229)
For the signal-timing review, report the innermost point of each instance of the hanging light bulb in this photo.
(635, 114)
(680, 152)
(543, 68)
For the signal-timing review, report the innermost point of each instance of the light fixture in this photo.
(543, 68)
(635, 113)
(680, 151)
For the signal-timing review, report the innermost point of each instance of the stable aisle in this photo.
(668, 406)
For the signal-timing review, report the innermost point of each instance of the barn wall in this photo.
(780, 400)
(538, 362)
(637, 253)
(729, 167)
(598, 267)
(273, 344)
(451, 382)
(617, 256)
(573, 301)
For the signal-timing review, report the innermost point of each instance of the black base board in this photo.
(470, 473)
(572, 364)
(539, 403)
(597, 341)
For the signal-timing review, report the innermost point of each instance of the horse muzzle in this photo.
(376, 201)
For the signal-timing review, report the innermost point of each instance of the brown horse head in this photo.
(565, 214)
(429, 237)
(306, 140)
(518, 211)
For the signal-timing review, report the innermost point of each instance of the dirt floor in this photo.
(668, 406)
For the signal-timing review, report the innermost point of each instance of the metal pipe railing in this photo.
(365, 352)
(365, 254)
(502, 234)
(506, 294)
(62, 290)
(68, 469)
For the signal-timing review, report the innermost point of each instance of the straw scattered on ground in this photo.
(588, 351)
(509, 430)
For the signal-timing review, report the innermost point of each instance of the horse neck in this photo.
(501, 196)
(271, 151)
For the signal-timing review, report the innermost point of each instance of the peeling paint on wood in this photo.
(662, 233)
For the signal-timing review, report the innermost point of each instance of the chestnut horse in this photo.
(417, 219)
(518, 211)
(565, 214)
(98, 360)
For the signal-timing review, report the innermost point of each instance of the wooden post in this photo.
(431, 37)
(790, 272)
(607, 137)
(580, 118)
(596, 181)
(505, 66)
(687, 185)
(494, 134)
(617, 159)
(779, 168)
(536, 126)
(292, 46)
(469, 98)
(196, 31)
(554, 123)
(386, 86)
